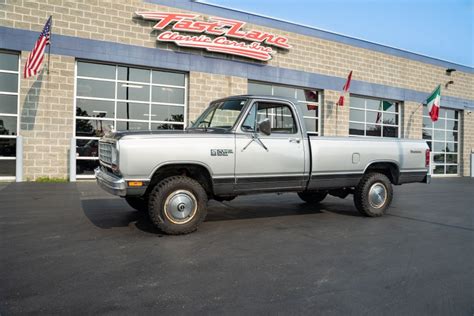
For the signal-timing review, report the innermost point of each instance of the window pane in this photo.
(133, 91)
(281, 117)
(8, 125)
(259, 89)
(8, 62)
(133, 111)
(8, 82)
(439, 170)
(389, 106)
(438, 147)
(425, 110)
(168, 95)
(373, 104)
(8, 104)
(390, 118)
(356, 102)
(452, 114)
(438, 158)
(439, 135)
(133, 74)
(373, 130)
(7, 168)
(167, 113)
(357, 115)
(452, 136)
(95, 88)
(452, 125)
(286, 92)
(168, 78)
(158, 126)
(390, 131)
(132, 126)
(451, 169)
(451, 158)
(427, 122)
(451, 147)
(93, 128)
(95, 70)
(374, 117)
(86, 167)
(95, 108)
(440, 123)
(311, 125)
(356, 129)
(309, 109)
(307, 95)
(7, 147)
(87, 147)
(427, 134)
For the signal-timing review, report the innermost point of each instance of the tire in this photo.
(373, 195)
(177, 205)
(312, 197)
(137, 203)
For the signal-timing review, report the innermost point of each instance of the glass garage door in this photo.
(9, 85)
(443, 138)
(117, 97)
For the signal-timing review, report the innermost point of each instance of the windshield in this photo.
(221, 114)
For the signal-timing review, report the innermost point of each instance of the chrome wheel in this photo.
(180, 207)
(377, 195)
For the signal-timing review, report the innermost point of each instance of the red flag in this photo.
(345, 89)
(33, 63)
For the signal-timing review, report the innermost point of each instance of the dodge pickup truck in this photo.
(247, 145)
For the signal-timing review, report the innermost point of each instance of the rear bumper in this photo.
(110, 183)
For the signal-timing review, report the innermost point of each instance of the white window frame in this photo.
(113, 120)
(382, 124)
(318, 118)
(432, 129)
(17, 115)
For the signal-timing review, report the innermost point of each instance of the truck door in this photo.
(269, 162)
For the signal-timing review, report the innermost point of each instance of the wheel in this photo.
(137, 203)
(177, 205)
(373, 195)
(312, 197)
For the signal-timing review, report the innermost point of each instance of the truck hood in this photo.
(173, 133)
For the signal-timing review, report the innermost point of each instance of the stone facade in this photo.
(47, 102)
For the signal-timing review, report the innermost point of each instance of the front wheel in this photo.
(177, 205)
(373, 195)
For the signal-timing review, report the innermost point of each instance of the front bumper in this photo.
(110, 182)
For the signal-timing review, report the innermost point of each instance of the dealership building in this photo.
(156, 64)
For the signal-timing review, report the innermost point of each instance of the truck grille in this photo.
(105, 153)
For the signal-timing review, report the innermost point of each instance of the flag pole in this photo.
(49, 44)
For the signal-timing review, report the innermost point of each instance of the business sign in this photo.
(215, 35)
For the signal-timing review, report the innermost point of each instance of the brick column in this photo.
(412, 120)
(335, 119)
(46, 118)
(467, 138)
(206, 87)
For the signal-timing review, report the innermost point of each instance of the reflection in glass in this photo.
(133, 111)
(452, 125)
(93, 128)
(8, 82)
(374, 117)
(440, 123)
(373, 130)
(86, 167)
(168, 78)
(8, 61)
(390, 118)
(7, 168)
(356, 129)
(259, 89)
(159, 126)
(451, 169)
(168, 95)
(451, 158)
(427, 134)
(167, 113)
(390, 131)
(357, 115)
(95, 88)
(438, 158)
(7, 147)
(95, 70)
(311, 125)
(439, 135)
(281, 91)
(133, 91)
(8, 125)
(87, 147)
(132, 126)
(94, 108)
(356, 102)
(8, 104)
(439, 170)
(133, 74)
(307, 95)
(452, 147)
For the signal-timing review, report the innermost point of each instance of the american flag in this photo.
(33, 63)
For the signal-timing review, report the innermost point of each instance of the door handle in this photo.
(294, 140)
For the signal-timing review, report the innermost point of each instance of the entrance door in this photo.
(269, 162)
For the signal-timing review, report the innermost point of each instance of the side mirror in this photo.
(265, 127)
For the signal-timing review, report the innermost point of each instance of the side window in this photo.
(280, 116)
(249, 124)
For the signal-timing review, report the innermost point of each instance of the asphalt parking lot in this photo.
(73, 249)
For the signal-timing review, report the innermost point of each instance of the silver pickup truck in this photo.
(247, 145)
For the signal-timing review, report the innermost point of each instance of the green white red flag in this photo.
(346, 87)
(434, 103)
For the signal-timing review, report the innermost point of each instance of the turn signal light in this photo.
(427, 158)
(135, 183)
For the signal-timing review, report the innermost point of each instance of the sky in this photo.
(443, 29)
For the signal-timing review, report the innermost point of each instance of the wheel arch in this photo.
(389, 168)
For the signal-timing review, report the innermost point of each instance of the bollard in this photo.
(19, 159)
(472, 164)
(72, 160)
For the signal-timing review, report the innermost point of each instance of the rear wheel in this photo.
(177, 205)
(312, 197)
(373, 195)
(137, 203)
